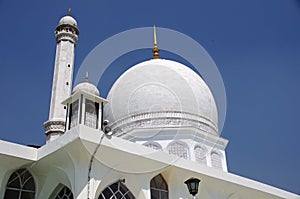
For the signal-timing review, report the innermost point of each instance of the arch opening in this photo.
(159, 188)
(116, 190)
(20, 185)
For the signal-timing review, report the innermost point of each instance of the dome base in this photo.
(163, 119)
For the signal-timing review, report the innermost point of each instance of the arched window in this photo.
(153, 145)
(178, 149)
(20, 185)
(116, 191)
(159, 188)
(216, 160)
(200, 154)
(65, 193)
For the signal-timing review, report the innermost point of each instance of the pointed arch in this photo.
(117, 190)
(20, 185)
(159, 188)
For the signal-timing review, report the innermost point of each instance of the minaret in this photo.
(66, 34)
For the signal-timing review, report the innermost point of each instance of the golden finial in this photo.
(86, 77)
(155, 49)
(69, 12)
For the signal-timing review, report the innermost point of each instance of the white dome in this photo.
(67, 20)
(86, 87)
(162, 90)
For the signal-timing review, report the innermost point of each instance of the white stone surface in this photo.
(160, 85)
(66, 37)
(188, 136)
(65, 161)
(62, 79)
(86, 87)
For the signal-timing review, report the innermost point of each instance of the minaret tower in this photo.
(66, 34)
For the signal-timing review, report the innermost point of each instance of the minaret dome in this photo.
(67, 29)
(86, 86)
(67, 20)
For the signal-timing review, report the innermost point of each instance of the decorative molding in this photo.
(67, 26)
(66, 36)
(160, 119)
(54, 127)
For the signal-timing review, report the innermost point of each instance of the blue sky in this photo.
(255, 44)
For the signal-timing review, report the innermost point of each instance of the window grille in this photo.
(178, 149)
(91, 114)
(216, 160)
(200, 155)
(65, 193)
(116, 191)
(20, 185)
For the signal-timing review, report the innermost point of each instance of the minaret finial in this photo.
(155, 49)
(86, 77)
(69, 12)
(154, 36)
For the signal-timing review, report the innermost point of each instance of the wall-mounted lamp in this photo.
(106, 128)
(192, 184)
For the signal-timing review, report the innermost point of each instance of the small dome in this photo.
(67, 20)
(86, 87)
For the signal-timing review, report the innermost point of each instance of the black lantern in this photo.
(192, 184)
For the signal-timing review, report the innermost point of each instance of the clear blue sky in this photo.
(255, 44)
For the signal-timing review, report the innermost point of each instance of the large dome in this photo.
(161, 93)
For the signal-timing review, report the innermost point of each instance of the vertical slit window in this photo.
(73, 118)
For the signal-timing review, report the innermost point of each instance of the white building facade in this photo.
(157, 128)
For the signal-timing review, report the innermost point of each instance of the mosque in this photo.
(155, 136)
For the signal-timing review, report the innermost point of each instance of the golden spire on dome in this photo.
(155, 49)
(86, 77)
(69, 12)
